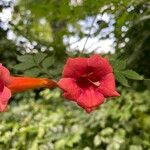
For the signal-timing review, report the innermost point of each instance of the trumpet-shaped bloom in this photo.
(88, 81)
(10, 85)
(21, 84)
(5, 92)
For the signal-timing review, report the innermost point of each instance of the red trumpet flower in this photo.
(10, 85)
(20, 84)
(88, 81)
(5, 92)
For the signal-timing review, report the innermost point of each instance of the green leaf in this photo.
(60, 143)
(73, 139)
(119, 65)
(135, 147)
(121, 78)
(47, 62)
(25, 58)
(132, 75)
(39, 57)
(97, 140)
(33, 72)
(107, 131)
(24, 65)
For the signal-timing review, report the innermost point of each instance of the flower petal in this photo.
(4, 98)
(90, 98)
(69, 96)
(1, 85)
(20, 84)
(88, 110)
(100, 67)
(4, 75)
(107, 86)
(75, 67)
(69, 85)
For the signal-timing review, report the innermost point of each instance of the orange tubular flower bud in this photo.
(20, 84)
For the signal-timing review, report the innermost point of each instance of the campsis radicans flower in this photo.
(10, 85)
(5, 92)
(88, 81)
(20, 84)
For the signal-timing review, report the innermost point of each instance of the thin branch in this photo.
(90, 30)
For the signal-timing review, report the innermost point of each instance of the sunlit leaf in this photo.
(132, 75)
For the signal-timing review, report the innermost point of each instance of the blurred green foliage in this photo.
(50, 123)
